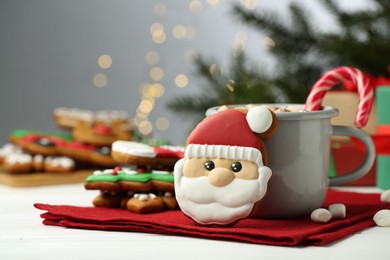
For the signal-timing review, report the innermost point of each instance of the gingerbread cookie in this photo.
(137, 191)
(145, 203)
(59, 164)
(15, 137)
(77, 150)
(223, 175)
(17, 163)
(44, 145)
(8, 149)
(47, 145)
(26, 163)
(102, 133)
(67, 118)
(126, 152)
(111, 200)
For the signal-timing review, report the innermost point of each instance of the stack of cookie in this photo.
(86, 143)
(144, 183)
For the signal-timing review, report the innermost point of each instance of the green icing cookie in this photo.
(139, 177)
(19, 133)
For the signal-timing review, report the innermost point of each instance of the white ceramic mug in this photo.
(298, 156)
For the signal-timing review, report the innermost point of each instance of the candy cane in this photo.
(338, 75)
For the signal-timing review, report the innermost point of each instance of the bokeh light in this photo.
(190, 32)
(230, 85)
(152, 57)
(145, 127)
(250, 4)
(179, 31)
(105, 61)
(158, 33)
(146, 106)
(213, 2)
(269, 42)
(181, 80)
(100, 80)
(156, 90)
(195, 6)
(156, 28)
(156, 73)
(240, 41)
(215, 70)
(162, 123)
(160, 9)
(159, 39)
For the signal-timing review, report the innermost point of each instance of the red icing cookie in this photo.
(140, 154)
(223, 176)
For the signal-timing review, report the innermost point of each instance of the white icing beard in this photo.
(207, 204)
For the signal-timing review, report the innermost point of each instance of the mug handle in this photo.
(369, 158)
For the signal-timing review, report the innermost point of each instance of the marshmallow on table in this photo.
(337, 210)
(321, 215)
(382, 218)
(385, 196)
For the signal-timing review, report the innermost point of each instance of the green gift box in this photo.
(382, 96)
(383, 172)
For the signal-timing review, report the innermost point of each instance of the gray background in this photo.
(49, 51)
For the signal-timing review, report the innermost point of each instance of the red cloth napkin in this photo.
(287, 232)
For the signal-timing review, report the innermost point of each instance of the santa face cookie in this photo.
(223, 177)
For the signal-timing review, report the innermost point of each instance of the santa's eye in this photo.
(236, 166)
(209, 165)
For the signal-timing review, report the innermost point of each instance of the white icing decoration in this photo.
(168, 194)
(160, 172)
(108, 171)
(98, 172)
(104, 172)
(218, 205)
(89, 116)
(9, 149)
(75, 113)
(17, 158)
(38, 158)
(224, 151)
(133, 148)
(110, 115)
(64, 162)
(259, 119)
(144, 196)
(128, 171)
(44, 141)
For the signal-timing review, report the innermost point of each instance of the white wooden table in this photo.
(23, 236)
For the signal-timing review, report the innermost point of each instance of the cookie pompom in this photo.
(259, 119)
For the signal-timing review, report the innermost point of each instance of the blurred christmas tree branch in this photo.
(302, 53)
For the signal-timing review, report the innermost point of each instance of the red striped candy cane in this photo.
(339, 75)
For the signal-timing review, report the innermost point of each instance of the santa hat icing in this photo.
(230, 134)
